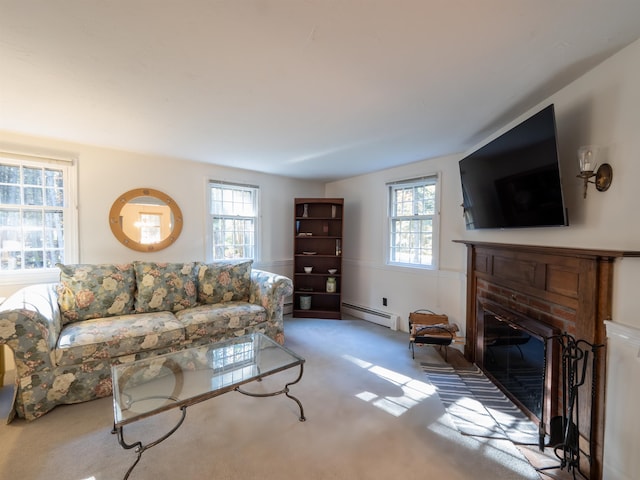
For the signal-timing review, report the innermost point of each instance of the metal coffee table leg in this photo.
(139, 447)
(285, 390)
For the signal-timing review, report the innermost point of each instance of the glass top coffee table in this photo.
(177, 380)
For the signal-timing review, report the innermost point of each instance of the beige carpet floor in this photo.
(371, 414)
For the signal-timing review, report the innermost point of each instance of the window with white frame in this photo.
(413, 222)
(234, 221)
(37, 224)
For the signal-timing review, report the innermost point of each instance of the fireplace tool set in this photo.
(576, 355)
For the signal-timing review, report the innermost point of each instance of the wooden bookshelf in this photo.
(317, 244)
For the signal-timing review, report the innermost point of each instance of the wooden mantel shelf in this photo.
(562, 251)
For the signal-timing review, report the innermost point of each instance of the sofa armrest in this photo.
(269, 290)
(30, 325)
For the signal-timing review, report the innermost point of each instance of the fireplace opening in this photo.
(519, 355)
(515, 358)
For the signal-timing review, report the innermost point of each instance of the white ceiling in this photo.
(321, 89)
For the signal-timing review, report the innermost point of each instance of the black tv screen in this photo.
(514, 181)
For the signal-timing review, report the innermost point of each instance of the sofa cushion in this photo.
(221, 320)
(224, 282)
(104, 338)
(95, 291)
(165, 286)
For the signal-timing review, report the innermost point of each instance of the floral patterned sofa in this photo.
(65, 336)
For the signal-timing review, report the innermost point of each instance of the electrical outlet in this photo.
(384, 301)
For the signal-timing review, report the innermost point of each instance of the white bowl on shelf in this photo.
(308, 269)
(333, 270)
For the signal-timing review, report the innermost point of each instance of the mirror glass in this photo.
(145, 220)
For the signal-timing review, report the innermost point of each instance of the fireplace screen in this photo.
(519, 355)
(516, 359)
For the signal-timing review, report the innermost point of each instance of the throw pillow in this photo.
(224, 282)
(95, 291)
(165, 286)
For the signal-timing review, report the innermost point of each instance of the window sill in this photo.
(411, 266)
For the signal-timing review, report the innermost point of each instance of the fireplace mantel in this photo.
(562, 251)
(568, 288)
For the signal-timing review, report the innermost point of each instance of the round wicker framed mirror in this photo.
(145, 220)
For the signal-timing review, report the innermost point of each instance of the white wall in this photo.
(105, 174)
(366, 277)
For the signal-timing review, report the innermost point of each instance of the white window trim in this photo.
(45, 275)
(209, 220)
(436, 223)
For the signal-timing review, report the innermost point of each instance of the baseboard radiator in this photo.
(386, 319)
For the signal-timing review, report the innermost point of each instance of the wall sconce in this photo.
(588, 157)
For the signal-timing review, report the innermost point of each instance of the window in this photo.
(37, 225)
(413, 222)
(150, 227)
(234, 218)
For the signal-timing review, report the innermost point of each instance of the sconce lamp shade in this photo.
(589, 156)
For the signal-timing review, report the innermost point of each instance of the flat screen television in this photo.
(514, 181)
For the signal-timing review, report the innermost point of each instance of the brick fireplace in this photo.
(552, 290)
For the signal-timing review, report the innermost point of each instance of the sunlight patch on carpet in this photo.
(414, 391)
